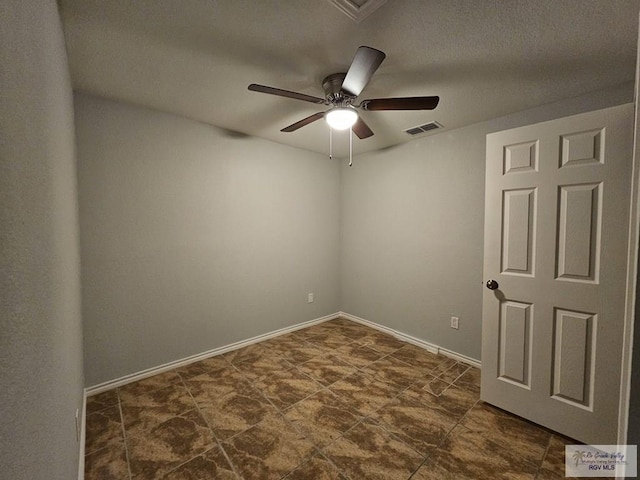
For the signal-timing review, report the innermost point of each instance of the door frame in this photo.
(632, 267)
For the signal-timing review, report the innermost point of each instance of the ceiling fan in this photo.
(341, 91)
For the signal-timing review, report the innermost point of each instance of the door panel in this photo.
(522, 157)
(556, 231)
(582, 148)
(579, 232)
(515, 341)
(518, 222)
(573, 357)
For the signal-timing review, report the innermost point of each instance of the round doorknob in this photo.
(492, 285)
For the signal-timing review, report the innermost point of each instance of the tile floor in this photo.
(335, 401)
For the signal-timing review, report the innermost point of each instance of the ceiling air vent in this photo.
(427, 127)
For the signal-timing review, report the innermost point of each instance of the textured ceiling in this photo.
(483, 58)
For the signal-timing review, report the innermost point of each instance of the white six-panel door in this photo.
(556, 232)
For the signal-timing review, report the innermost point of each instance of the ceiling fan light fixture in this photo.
(341, 118)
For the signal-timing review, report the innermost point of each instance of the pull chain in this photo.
(350, 147)
(330, 143)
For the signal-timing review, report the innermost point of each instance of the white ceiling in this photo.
(484, 58)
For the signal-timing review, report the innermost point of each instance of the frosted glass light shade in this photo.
(341, 118)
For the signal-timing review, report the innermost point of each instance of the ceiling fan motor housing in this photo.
(332, 86)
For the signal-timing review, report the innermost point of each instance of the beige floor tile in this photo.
(468, 455)
(442, 397)
(327, 369)
(415, 424)
(109, 463)
(145, 410)
(382, 342)
(470, 380)
(322, 417)
(329, 340)
(316, 468)
(156, 452)
(369, 452)
(284, 388)
(363, 392)
(418, 357)
(358, 355)
(207, 366)
(103, 400)
(149, 384)
(261, 367)
(508, 431)
(210, 465)
(394, 372)
(269, 450)
(103, 429)
(236, 411)
(454, 372)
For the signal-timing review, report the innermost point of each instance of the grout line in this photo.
(449, 433)
(315, 450)
(431, 453)
(546, 452)
(105, 447)
(213, 434)
(190, 459)
(124, 436)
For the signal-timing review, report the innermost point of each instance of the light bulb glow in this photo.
(341, 118)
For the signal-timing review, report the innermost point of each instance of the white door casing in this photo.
(556, 236)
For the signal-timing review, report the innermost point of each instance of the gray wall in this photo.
(193, 238)
(40, 327)
(413, 227)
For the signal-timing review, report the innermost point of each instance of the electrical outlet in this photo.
(454, 322)
(310, 297)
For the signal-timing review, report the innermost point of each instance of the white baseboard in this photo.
(134, 377)
(413, 340)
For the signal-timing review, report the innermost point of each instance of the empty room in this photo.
(319, 239)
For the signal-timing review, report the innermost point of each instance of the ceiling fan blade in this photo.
(402, 103)
(365, 62)
(285, 93)
(305, 121)
(361, 129)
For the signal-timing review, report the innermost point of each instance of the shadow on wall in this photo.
(232, 133)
